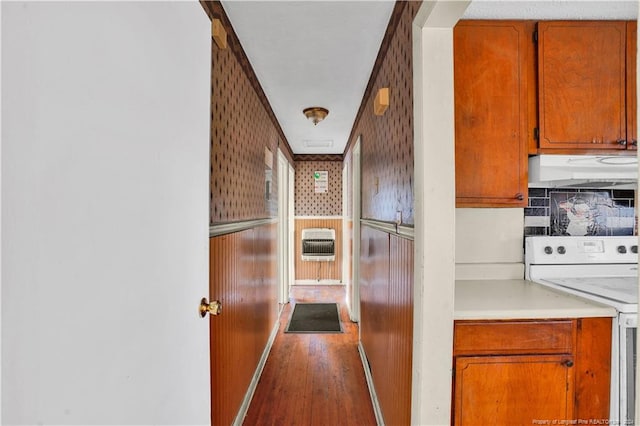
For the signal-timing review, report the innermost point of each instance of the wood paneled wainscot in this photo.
(517, 372)
(243, 278)
(308, 272)
(386, 329)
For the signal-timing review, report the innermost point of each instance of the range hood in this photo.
(588, 171)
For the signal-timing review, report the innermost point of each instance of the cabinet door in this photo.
(582, 87)
(632, 98)
(513, 390)
(493, 71)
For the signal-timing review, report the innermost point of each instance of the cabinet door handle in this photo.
(567, 363)
(634, 142)
(622, 142)
(519, 196)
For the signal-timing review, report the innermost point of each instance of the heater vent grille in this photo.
(318, 244)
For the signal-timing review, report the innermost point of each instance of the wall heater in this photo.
(319, 244)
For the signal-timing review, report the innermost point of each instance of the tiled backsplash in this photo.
(580, 211)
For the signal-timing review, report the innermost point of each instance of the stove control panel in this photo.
(579, 250)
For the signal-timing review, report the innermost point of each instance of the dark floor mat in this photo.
(315, 318)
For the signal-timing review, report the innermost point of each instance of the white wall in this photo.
(435, 211)
(105, 154)
(486, 235)
(489, 243)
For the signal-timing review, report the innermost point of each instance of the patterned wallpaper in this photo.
(310, 203)
(240, 130)
(387, 140)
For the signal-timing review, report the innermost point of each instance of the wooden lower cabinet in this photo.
(489, 387)
(521, 372)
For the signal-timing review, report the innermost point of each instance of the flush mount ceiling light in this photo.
(315, 114)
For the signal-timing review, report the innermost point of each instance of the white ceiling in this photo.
(321, 53)
(312, 53)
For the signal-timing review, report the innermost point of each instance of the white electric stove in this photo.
(605, 270)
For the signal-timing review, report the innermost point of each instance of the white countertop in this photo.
(520, 299)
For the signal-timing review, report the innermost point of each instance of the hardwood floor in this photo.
(313, 379)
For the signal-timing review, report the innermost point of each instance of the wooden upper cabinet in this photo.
(632, 98)
(493, 74)
(582, 84)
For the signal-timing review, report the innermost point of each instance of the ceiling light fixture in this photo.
(315, 114)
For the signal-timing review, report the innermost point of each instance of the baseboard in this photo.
(352, 316)
(372, 390)
(316, 282)
(244, 407)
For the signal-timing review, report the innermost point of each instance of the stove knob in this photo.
(622, 249)
(562, 250)
(548, 250)
(634, 249)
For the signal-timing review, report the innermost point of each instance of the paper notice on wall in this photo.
(321, 182)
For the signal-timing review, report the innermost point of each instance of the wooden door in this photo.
(632, 98)
(243, 277)
(582, 87)
(493, 74)
(513, 390)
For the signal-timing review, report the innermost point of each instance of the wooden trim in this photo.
(382, 53)
(215, 10)
(388, 227)
(318, 157)
(406, 231)
(218, 33)
(233, 227)
(381, 101)
(632, 83)
(402, 231)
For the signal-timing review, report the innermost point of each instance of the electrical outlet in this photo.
(398, 217)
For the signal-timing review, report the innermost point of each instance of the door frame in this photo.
(356, 170)
(434, 203)
(285, 254)
(292, 226)
(347, 253)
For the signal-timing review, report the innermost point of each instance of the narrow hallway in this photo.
(313, 379)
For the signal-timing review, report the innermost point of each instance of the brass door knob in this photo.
(213, 308)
